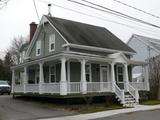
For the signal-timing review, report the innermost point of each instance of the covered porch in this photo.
(72, 73)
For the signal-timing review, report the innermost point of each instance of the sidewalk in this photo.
(106, 113)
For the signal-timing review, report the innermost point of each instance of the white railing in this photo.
(18, 88)
(74, 87)
(106, 86)
(32, 88)
(139, 85)
(51, 88)
(93, 87)
(133, 92)
(119, 93)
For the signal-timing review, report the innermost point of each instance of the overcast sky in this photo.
(18, 14)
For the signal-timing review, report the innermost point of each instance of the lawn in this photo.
(151, 102)
(84, 109)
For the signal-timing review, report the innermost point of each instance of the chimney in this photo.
(33, 27)
(49, 10)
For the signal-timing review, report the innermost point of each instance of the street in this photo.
(20, 109)
(141, 115)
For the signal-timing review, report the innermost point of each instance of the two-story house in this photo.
(66, 58)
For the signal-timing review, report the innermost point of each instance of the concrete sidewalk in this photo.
(106, 113)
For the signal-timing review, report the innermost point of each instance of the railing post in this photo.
(83, 77)
(41, 77)
(113, 77)
(63, 82)
(137, 96)
(13, 80)
(123, 97)
(126, 76)
(25, 79)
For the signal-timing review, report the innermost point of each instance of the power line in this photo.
(113, 12)
(36, 10)
(104, 19)
(140, 10)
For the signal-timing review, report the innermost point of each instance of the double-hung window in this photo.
(119, 73)
(51, 42)
(38, 48)
(52, 74)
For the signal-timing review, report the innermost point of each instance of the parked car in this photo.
(4, 87)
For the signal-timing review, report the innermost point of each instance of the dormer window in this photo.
(38, 48)
(51, 42)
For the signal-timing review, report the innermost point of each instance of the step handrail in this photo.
(119, 93)
(133, 92)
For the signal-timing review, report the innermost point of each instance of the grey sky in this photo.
(16, 16)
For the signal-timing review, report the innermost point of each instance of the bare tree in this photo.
(3, 3)
(154, 76)
(15, 48)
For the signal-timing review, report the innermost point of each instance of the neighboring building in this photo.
(67, 58)
(145, 48)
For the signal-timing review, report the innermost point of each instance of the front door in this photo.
(104, 73)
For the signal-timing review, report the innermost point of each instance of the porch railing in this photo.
(18, 88)
(32, 88)
(51, 88)
(74, 87)
(119, 93)
(139, 85)
(133, 92)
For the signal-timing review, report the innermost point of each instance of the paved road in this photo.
(142, 115)
(22, 109)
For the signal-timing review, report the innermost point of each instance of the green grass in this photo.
(96, 108)
(151, 102)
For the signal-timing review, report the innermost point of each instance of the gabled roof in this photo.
(88, 35)
(152, 42)
(24, 46)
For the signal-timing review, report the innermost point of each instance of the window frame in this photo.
(121, 74)
(51, 41)
(38, 48)
(50, 73)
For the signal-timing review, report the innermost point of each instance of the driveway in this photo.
(141, 115)
(24, 109)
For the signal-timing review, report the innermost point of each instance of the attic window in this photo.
(51, 42)
(38, 48)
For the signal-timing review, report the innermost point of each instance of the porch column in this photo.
(126, 76)
(41, 78)
(113, 77)
(63, 82)
(13, 80)
(83, 77)
(25, 79)
(146, 76)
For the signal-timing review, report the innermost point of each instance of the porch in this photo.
(76, 74)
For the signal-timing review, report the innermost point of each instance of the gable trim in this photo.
(92, 48)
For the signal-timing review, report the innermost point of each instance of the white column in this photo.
(146, 76)
(126, 76)
(41, 78)
(113, 76)
(63, 82)
(83, 77)
(25, 79)
(13, 80)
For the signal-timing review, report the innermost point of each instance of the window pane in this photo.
(120, 78)
(87, 69)
(52, 46)
(52, 70)
(52, 78)
(120, 70)
(87, 77)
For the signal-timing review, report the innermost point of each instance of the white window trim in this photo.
(38, 46)
(120, 74)
(90, 72)
(52, 74)
(51, 41)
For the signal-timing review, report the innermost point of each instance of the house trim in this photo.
(85, 47)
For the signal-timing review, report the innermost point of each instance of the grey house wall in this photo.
(142, 50)
(44, 34)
